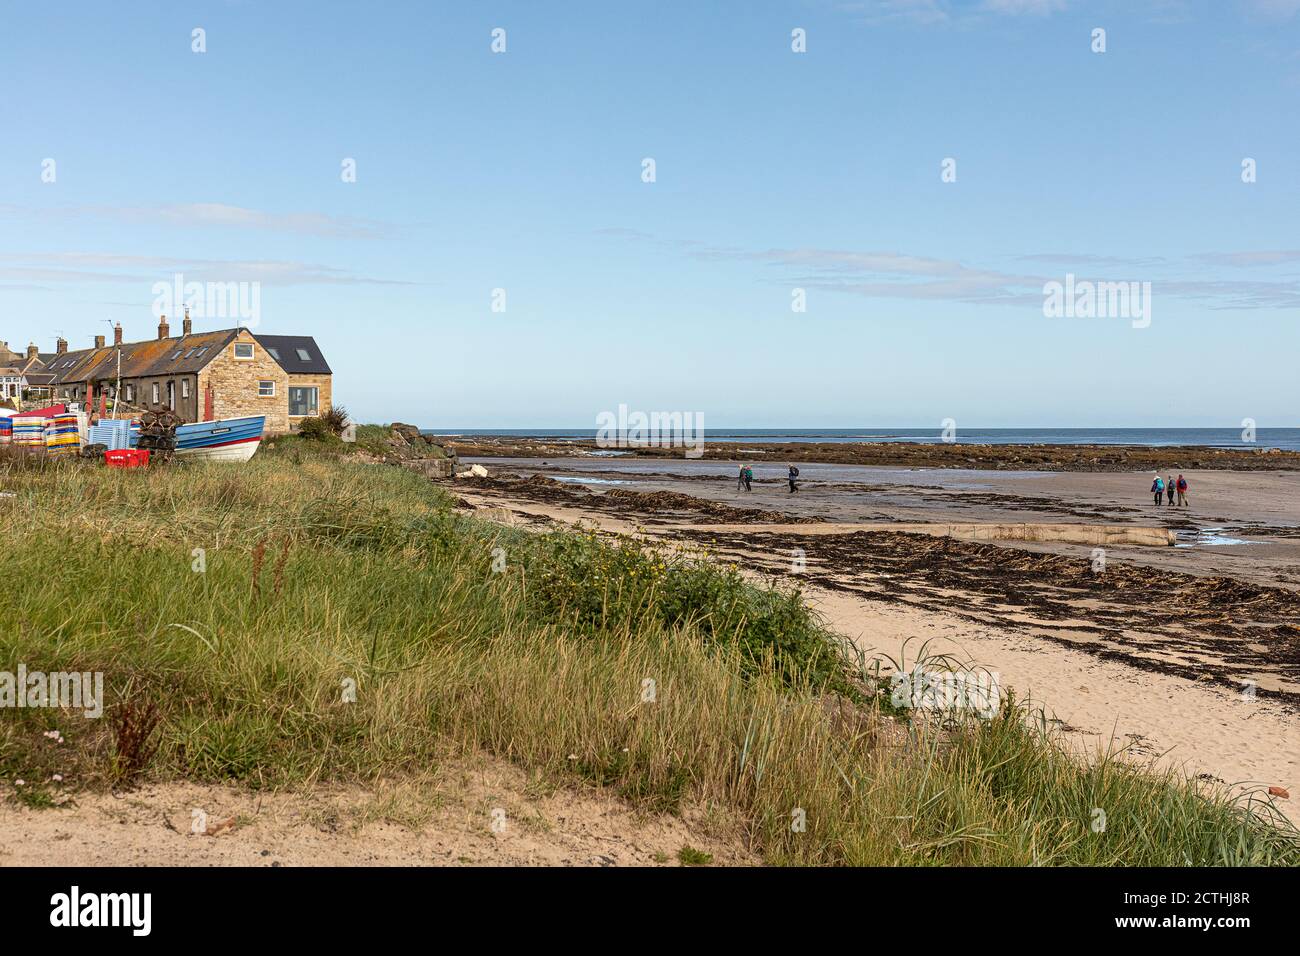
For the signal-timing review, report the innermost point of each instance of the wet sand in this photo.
(1189, 653)
(1261, 509)
(913, 454)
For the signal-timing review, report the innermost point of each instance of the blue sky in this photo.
(774, 170)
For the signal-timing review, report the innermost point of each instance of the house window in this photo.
(302, 401)
(176, 355)
(302, 354)
(243, 350)
(266, 389)
(185, 388)
(130, 393)
(171, 395)
(201, 351)
(155, 393)
(275, 354)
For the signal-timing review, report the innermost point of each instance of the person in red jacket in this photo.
(1182, 492)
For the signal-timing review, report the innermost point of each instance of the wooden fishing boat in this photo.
(227, 439)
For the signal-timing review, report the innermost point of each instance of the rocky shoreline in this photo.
(1084, 458)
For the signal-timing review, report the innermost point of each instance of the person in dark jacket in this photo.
(748, 473)
(1169, 489)
(794, 475)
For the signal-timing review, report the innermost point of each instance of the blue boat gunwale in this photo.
(222, 431)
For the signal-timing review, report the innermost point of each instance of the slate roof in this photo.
(156, 357)
(285, 350)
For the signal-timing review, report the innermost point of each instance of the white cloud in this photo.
(897, 275)
(189, 215)
(101, 267)
(926, 12)
(1037, 8)
(1272, 9)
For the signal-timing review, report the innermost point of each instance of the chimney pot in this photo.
(99, 341)
(164, 330)
(117, 333)
(187, 327)
(60, 346)
(32, 351)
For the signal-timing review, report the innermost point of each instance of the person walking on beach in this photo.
(1169, 490)
(1182, 492)
(748, 474)
(794, 474)
(1158, 489)
(740, 479)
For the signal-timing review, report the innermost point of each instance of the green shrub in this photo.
(603, 584)
(335, 419)
(316, 429)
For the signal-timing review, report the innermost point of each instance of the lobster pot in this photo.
(62, 435)
(6, 431)
(29, 432)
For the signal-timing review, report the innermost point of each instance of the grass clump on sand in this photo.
(305, 618)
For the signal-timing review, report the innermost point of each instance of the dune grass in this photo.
(306, 618)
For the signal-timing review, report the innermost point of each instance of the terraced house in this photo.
(201, 376)
(23, 375)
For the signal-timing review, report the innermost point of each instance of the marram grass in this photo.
(307, 618)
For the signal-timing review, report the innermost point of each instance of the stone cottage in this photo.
(201, 376)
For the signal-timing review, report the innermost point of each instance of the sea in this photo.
(1285, 438)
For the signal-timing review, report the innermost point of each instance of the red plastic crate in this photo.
(127, 458)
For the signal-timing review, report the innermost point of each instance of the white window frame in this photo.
(266, 381)
(154, 393)
(244, 358)
(185, 388)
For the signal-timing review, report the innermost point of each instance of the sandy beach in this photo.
(1187, 654)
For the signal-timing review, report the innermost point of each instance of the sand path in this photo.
(446, 819)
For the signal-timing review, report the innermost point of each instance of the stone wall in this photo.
(234, 383)
(190, 408)
(324, 393)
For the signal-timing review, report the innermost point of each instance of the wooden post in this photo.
(209, 399)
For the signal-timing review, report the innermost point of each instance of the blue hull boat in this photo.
(227, 439)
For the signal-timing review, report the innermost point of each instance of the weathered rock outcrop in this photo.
(407, 447)
(430, 467)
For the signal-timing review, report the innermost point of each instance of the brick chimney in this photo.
(32, 351)
(99, 341)
(164, 330)
(117, 333)
(60, 346)
(187, 327)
